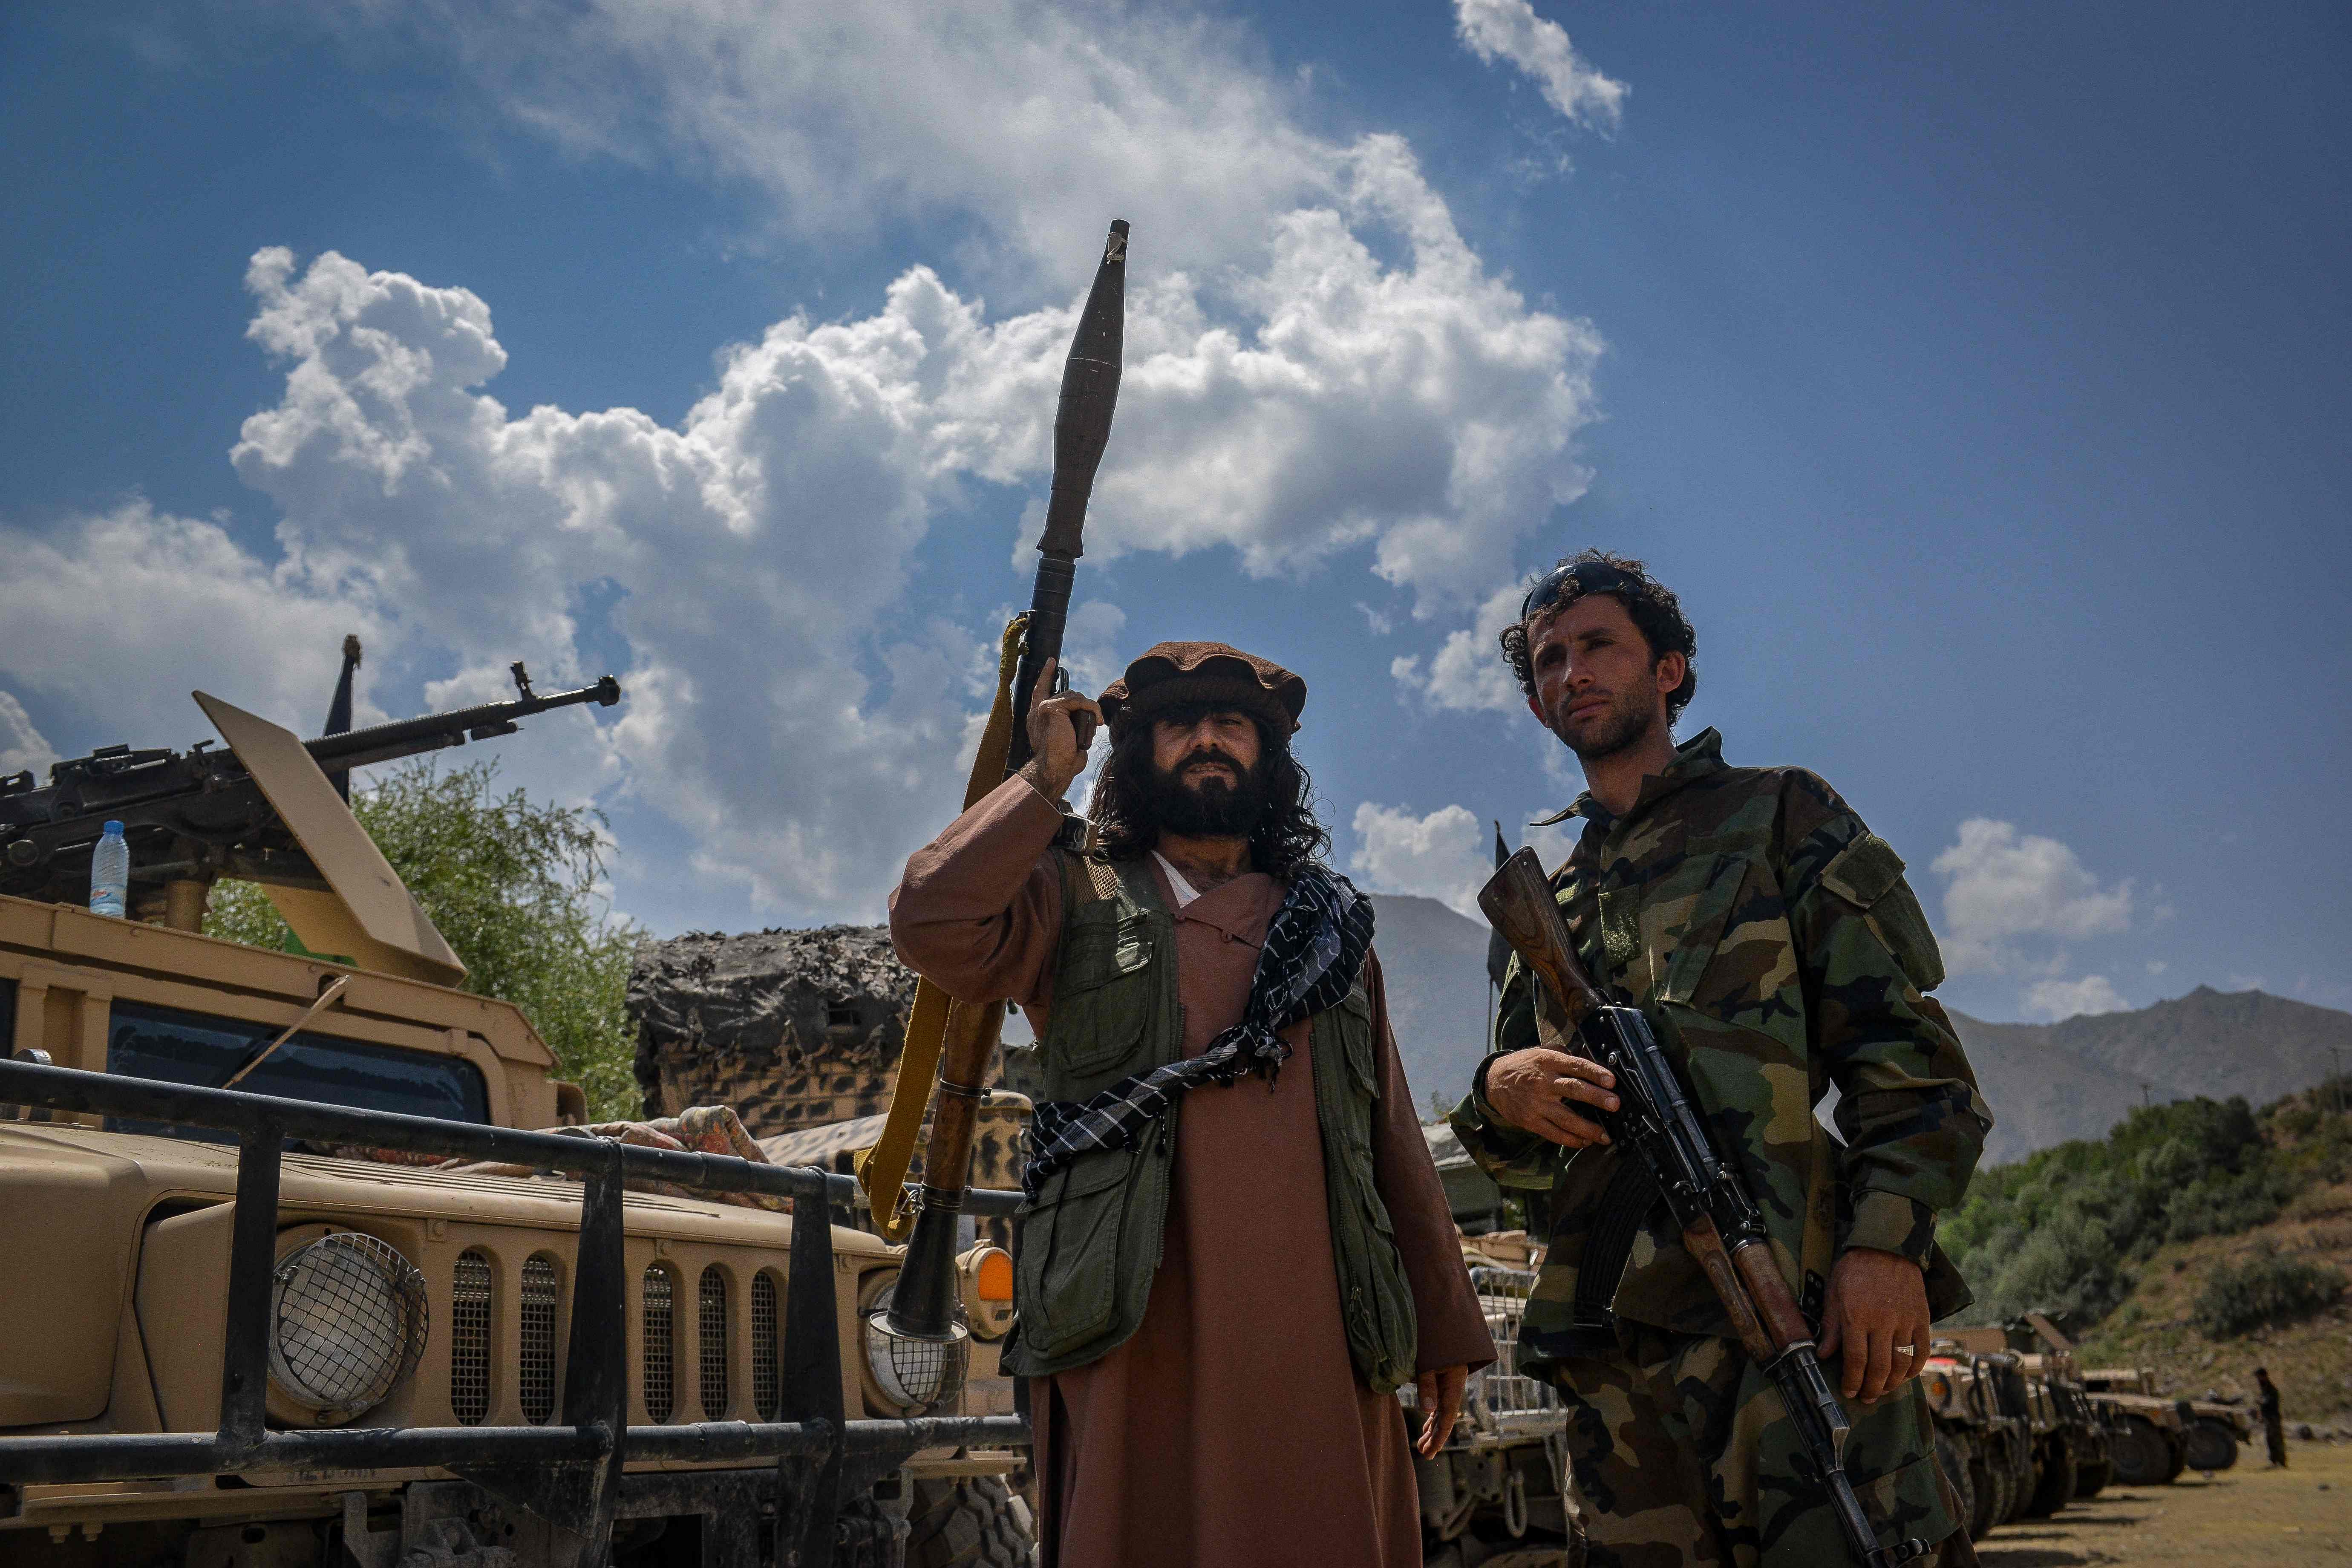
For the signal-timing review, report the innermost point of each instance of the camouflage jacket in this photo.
(1772, 942)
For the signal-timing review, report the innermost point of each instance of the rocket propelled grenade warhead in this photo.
(1089, 395)
(1081, 431)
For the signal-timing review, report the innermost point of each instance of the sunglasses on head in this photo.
(1574, 580)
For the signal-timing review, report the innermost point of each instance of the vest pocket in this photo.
(1067, 1254)
(1103, 997)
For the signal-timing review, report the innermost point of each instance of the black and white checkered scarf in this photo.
(1314, 952)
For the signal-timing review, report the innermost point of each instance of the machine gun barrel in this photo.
(1721, 1226)
(200, 814)
(411, 737)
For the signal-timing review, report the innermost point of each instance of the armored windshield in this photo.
(203, 1049)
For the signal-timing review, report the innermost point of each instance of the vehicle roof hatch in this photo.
(365, 909)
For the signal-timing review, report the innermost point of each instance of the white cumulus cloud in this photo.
(22, 749)
(1442, 856)
(1318, 365)
(1511, 31)
(117, 616)
(1315, 358)
(2056, 999)
(1467, 671)
(2013, 896)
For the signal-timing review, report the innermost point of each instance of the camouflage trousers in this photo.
(1681, 1456)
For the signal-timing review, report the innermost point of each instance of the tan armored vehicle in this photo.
(2147, 1435)
(2209, 1429)
(1985, 1437)
(800, 1032)
(351, 1305)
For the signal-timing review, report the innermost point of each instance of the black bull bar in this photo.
(568, 1475)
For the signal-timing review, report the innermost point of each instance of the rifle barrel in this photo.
(409, 737)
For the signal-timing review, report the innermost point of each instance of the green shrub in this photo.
(2264, 1291)
(516, 885)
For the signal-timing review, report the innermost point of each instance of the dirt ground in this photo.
(2300, 1517)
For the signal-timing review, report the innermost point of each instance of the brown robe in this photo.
(1232, 1429)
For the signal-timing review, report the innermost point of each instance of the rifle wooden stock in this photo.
(1520, 904)
(1704, 1243)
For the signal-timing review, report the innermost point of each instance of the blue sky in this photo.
(1978, 376)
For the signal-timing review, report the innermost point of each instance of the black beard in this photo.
(1215, 809)
(1620, 728)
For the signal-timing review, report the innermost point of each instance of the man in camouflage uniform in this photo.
(1772, 943)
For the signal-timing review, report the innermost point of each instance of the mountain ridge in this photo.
(2047, 1083)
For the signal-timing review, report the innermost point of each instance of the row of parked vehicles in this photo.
(2021, 1430)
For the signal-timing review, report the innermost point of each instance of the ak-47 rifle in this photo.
(193, 815)
(1720, 1224)
(960, 1037)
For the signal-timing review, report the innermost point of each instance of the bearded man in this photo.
(1236, 1246)
(1771, 941)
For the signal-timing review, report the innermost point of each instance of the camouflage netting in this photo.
(800, 1032)
(792, 1028)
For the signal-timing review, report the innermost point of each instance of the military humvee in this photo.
(2147, 1435)
(2209, 1429)
(800, 1032)
(2015, 1429)
(1985, 1437)
(258, 1327)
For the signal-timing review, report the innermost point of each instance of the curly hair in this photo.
(1286, 834)
(1657, 615)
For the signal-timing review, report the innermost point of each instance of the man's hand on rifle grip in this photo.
(1534, 1090)
(1060, 730)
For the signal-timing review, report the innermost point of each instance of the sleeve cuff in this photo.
(1889, 1221)
(1479, 1104)
(1050, 803)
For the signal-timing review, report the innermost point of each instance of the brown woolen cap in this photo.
(1182, 672)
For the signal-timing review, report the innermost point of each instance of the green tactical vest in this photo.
(1087, 1249)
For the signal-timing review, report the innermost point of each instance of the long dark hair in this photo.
(1286, 836)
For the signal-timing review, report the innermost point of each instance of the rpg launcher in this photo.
(1719, 1222)
(922, 1304)
(196, 815)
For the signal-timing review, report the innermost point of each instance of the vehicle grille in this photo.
(767, 1393)
(660, 1371)
(470, 1340)
(712, 1310)
(535, 1376)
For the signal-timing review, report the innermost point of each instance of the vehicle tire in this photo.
(1952, 1459)
(2177, 1447)
(2142, 1457)
(2021, 1476)
(2055, 1488)
(1989, 1488)
(2211, 1446)
(975, 1523)
(2093, 1478)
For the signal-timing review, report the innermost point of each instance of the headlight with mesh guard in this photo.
(347, 1323)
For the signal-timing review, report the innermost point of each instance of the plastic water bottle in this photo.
(110, 873)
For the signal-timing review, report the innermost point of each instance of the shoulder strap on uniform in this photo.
(1086, 879)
